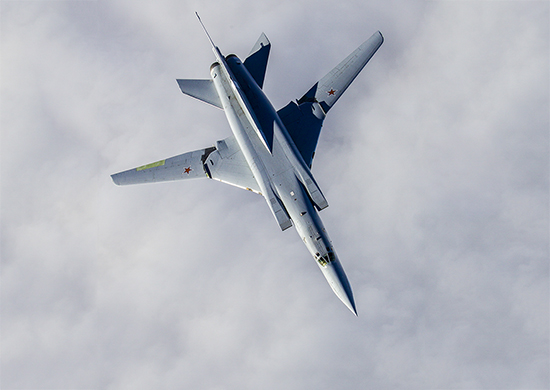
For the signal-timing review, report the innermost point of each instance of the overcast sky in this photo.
(435, 164)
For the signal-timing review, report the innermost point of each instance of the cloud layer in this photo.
(435, 165)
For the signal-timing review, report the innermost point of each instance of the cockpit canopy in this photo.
(326, 259)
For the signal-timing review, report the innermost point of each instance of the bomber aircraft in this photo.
(270, 151)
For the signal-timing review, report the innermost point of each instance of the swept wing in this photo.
(224, 162)
(329, 89)
(184, 166)
(303, 119)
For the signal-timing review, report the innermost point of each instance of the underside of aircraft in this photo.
(270, 151)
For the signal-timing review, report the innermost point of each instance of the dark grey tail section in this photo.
(256, 62)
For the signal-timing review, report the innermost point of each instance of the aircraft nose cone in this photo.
(340, 285)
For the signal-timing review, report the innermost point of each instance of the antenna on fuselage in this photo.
(205, 30)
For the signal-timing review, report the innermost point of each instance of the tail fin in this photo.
(256, 62)
(329, 89)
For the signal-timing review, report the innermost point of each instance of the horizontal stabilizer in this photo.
(329, 89)
(201, 89)
(256, 62)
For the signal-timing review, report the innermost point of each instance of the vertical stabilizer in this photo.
(256, 62)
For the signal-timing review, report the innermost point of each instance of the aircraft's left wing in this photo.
(184, 166)
(225, 163)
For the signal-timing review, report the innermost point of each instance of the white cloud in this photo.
(435, 164)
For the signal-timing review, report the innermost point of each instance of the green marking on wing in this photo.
(152, 165)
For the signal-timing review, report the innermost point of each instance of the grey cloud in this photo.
(435, 164)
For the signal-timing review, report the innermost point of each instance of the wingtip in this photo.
(113, 177)
(265, 39)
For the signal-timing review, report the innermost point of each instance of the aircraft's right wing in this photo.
(225, 163)
(303, 119)
(329, 89)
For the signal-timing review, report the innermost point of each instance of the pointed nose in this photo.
(340, 285)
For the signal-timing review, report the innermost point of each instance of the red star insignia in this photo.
(187, 170)
(331, 92)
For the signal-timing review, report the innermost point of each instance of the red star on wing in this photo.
(331, 92)
(187, 170)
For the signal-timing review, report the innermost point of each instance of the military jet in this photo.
(271, 151)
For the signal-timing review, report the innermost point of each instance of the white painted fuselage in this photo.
(283, 177)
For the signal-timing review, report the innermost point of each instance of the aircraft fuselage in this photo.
(270, 152)
(283, 177)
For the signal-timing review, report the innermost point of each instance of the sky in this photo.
(435, 164)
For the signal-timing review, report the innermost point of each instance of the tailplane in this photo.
(201, 89)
